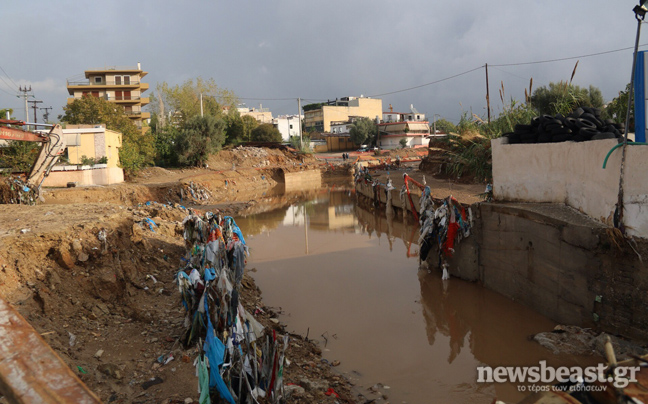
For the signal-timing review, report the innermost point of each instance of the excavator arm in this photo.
(52, 146)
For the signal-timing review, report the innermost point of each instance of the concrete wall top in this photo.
(572, 173)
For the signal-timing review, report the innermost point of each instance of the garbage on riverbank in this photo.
(15, 191)
(239, 360)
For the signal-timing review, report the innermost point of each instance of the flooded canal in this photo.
(350, 280)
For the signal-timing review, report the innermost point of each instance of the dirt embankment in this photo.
(237, 175)
(97, 282)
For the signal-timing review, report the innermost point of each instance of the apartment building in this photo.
(396, 126)
(318, 117)
(121, 85)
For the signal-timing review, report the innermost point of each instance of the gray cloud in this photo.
(322, 50)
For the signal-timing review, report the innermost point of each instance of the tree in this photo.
(184, 100)
(563, 97)
(363, 129)
(3, 113)
(199, 139)
(166, 140)
(19, 156)
(445, 126)
(266, 132)
(239, 128)
(617, 109)
(137, 149)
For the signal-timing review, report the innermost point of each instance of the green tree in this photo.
(266, 132)
(166, 140)
(617, 109)
(137, 151)
(445, 126)
(19, 156)
(563, 97)
(239, 128)
(199, 139)
(403, 143)
(3, 113)
(363, 129)
(183, 100)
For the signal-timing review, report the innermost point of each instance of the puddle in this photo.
(349, 279)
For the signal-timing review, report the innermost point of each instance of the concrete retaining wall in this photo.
(559, 262)
(572, 173)
(97, 176)
(302, 179)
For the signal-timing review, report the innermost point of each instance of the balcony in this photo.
(107, 83)
(124, 99)
(137, 114)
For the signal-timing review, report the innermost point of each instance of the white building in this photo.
(288, 125)
(398, 126)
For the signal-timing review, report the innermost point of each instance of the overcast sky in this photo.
(273, 51)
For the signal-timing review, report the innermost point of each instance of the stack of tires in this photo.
(580, 125)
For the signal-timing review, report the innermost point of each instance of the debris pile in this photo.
(580, 125)
(239, 360)
(248, 151)
(16, 191)
(195, 192)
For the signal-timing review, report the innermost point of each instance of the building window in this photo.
(290, 126)
(97, 80)
(127, 80)
(118, 80)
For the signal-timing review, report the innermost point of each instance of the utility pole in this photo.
(46, 114)
(201, 106)
(35, 106)
(487, 94)
(300, 128)
(25, 90)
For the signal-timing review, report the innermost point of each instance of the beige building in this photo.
(92, 141)
(262, 115)
(341, 110)
(121, 85)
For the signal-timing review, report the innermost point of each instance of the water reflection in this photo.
(338, 269)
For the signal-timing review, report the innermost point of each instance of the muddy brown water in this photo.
(350, 280)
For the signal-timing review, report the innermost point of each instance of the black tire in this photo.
(529, 137)
(579, 138)
(609, 122)
(592, 119)
(587, 133)
(570, 122)
(561, 138)
(577, 113)
(553, 126)
(596, 112)
(544, 138)
(603, 135)
(561, 131)
(584, 123)
(535, 121)
(520, 128)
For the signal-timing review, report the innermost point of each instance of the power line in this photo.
(3, 70)
(7, 92)
(428, 84)
(569, 58)
(512, 74)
